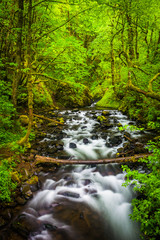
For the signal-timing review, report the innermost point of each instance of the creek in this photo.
(84, 202)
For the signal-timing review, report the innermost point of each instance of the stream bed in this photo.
(84, 202)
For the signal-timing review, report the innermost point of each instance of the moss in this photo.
(33, 180)
(71, 94)
(109, 100)
(101, 118)
(42, 96)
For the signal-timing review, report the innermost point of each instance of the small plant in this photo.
(6, 183)
(130, 128)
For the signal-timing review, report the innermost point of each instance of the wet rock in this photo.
(3, 222)
(72, 145)
(21, 200)
(139, 148)
(26, 223)
(120, 150)
(94, 137)
(52, 150)
(86, 182)
(28, 195)
(25, 188)
(114, 141)
(85, 141)
(6, 214)
(69, 194)
(105, 113)
(59, 146)
(34, 187)
(31, 211)
(50, 227)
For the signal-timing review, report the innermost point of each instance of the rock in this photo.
(28, 195)
(85, 141)
(3, 222)
(15, 177)
(59, 146)
(31, 211)
(33, 180)
(52, 150)
(83, 127)
(69, 194)
(26, 223)
(114, 141)
(105, 113)
(94, 137)
(21, 200)
(25, 188)
(72, 145)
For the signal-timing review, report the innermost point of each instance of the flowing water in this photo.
(85, 202)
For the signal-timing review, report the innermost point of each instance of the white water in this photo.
(86, 202)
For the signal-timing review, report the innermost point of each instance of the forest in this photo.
(67, 54)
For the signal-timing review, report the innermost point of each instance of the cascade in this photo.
(85, 202)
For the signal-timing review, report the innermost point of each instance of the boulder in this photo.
(72, 145)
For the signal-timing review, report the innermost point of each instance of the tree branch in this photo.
(150, 93)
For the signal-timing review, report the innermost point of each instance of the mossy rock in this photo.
(15, 177)
(24, 120)
(73, 95)
(101, 119)
(43, 96)
(109, 100)
(33, 180)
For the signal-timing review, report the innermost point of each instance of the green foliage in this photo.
(146, 208)
(130, 128)
(6, 184)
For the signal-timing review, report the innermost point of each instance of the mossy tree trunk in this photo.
(17, 73)
(30, 78)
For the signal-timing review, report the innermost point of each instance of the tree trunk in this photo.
(17, 73)
(30, 78)
(41, 160)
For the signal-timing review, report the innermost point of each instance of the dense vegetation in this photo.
(56, 54)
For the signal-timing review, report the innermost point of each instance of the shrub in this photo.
(6, 183)
(146, 207)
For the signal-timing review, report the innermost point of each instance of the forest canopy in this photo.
(65, 53)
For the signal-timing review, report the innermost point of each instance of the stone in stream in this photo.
(85, 141)
(25, 223)
(72, 145)
(105, 113)
(114, 141)
(69, 194)
(94, 137)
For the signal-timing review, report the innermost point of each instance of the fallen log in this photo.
(40, 160)
(48, 119)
